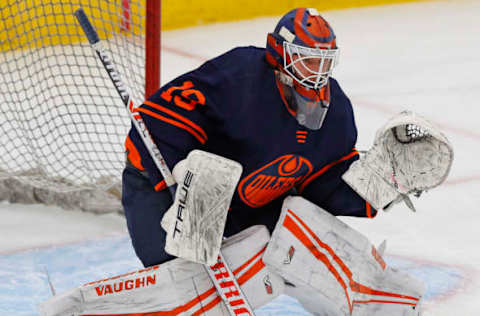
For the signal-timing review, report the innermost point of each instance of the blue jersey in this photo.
(232, 106)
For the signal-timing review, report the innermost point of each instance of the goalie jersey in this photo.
(231, 106)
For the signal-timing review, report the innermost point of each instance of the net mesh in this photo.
(62, 122)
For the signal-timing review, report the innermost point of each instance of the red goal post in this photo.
(62, 124)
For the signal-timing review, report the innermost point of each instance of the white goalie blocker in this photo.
(179, 287)
(196, 220)
(334, 270)
(409, 155)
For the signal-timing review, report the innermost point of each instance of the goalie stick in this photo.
(221, 275)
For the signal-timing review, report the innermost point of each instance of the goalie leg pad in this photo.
(178, 286)
(333, 269)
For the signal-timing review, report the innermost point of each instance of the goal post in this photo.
(153, 44)
(62, 123)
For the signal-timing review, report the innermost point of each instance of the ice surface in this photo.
(24, 283)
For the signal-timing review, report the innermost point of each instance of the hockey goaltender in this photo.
(262, 146)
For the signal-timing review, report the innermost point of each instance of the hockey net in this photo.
(62, 122)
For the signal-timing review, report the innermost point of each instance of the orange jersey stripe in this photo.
(200, 138)
(133, 154)
(369, 210)
(178, 117)
(161, 185)
(325, 169)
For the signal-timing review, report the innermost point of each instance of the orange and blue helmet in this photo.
(303, 47)
(303, 40)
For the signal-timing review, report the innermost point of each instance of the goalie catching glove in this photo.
(409, 155)
(196, 220)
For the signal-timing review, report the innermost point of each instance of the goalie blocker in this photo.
(195, 222)
(179, 287)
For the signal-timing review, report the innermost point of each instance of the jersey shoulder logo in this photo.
(274, 179)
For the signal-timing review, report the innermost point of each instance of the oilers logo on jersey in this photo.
(274, 179)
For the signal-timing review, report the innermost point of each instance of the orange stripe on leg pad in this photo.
(200, 299)
(301, 235)
(297, 232)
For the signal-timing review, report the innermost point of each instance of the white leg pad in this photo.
(335, 270)
(179, 286)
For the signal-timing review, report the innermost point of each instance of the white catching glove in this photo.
(196, 220)
(409, 155)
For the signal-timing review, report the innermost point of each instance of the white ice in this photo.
(419, 56)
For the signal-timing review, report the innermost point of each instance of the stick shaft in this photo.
(122, 90)
(156, 155)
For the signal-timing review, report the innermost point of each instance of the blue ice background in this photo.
(23, 281)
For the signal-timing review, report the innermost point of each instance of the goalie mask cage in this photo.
(62, 122)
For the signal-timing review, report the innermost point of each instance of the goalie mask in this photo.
(303, 50)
